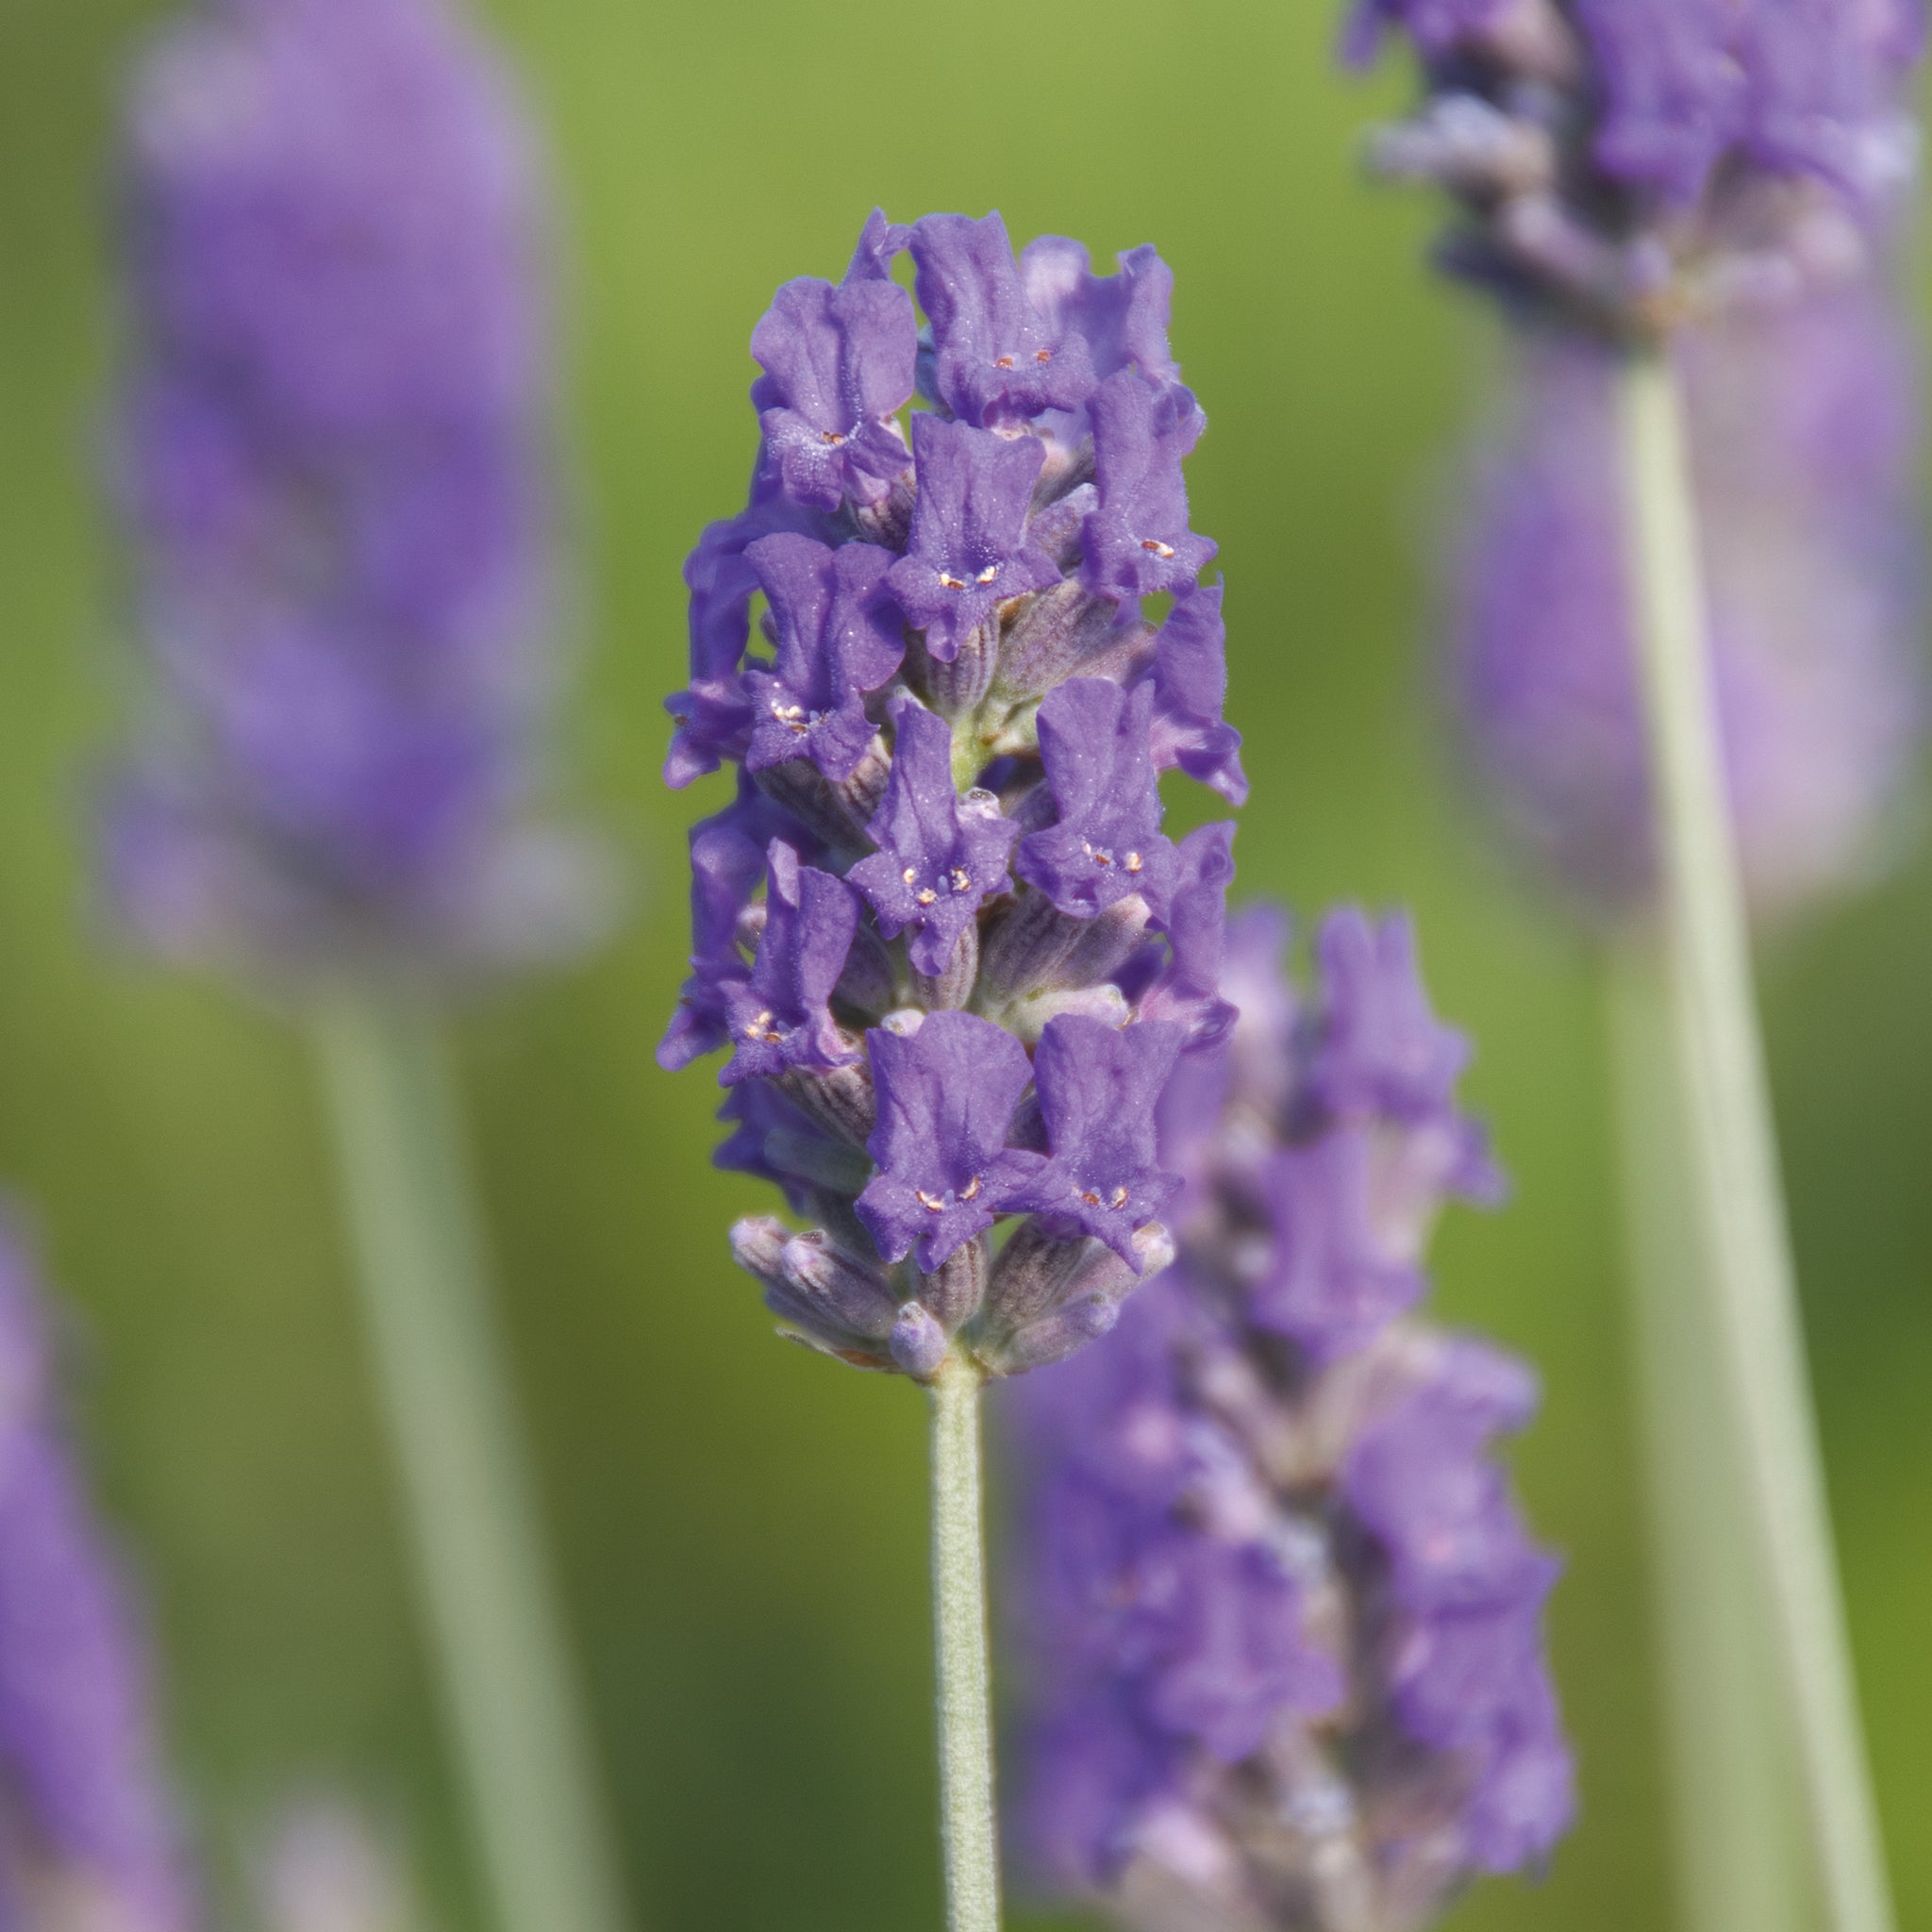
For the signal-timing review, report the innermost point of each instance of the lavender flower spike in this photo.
(332, 456)
(955, 956)
(91, 1836)
(1283, 1619)
(331, 452)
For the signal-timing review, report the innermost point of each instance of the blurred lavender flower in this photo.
(977, 955)
(1801, 425)
(87, 1838)
(1283, 1617)
(1632, 164)
(330, 447)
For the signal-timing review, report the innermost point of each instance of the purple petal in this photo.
(995, 361)
(947, 1097)
(968, 552)
(1108, 843)
(940, 858)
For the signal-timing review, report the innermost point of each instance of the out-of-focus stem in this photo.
(521, 1740)
(1732, 1773)
(967, 1820)
(1732, 1166)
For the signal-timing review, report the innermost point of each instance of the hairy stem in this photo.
(967, 1822)
(521, 1737)
(1732, 1773)
(1732, 1155)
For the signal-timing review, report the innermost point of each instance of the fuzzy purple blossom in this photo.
(838, 367)
(940, 857)
(1800, 425)
(330, 449)
(1636, 163)
(838, 638)
(91, 1833)
(955, 956)
(1282, 1618)
(1106, 841)
(968, 552)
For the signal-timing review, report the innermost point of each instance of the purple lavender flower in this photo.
(1283, 1618)
(947, 1096)
(977, 959)
(1638, 162)
(968, 553)
(1107, 841)
(838, 638)
(996, 358)
(1189, 688)
(90, 1832)
(1122, 318)
(1137, 538)
(1099, 1087)
(940, 857)
(330, 449)
(838, 367)
(781, 1016)
(1800, 426)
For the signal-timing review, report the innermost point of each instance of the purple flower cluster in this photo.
(1635, 161)
(940, 928)
(1283, 1619)
(1800, 427)
(330, 449)
(86, 1836)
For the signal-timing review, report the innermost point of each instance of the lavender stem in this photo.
(967, 1822)
(1732, 1169)
(522, 1738)
(1733, 1778)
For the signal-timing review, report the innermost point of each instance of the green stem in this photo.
(521, 1737)
(1733, 1157)
(1732, 1774)
(967, 1822)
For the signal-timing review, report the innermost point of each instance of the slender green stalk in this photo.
(521, 1737)
(967, 1822)
(1733, 1777)
(1733, 1157)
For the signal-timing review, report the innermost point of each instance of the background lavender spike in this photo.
(1801, 425)
(331, 454)
(1282, 1620)
(1680, 193)
(91, 1833)
(333, 460)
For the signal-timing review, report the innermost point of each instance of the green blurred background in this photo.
(741, 1525)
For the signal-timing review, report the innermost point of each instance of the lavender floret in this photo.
(940, 857)
(1107, 841)
(968, 553)
(838, 367)
(1283, 1617)
(956, 957)
(838, 638)
(331, 448)
(996, 360)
